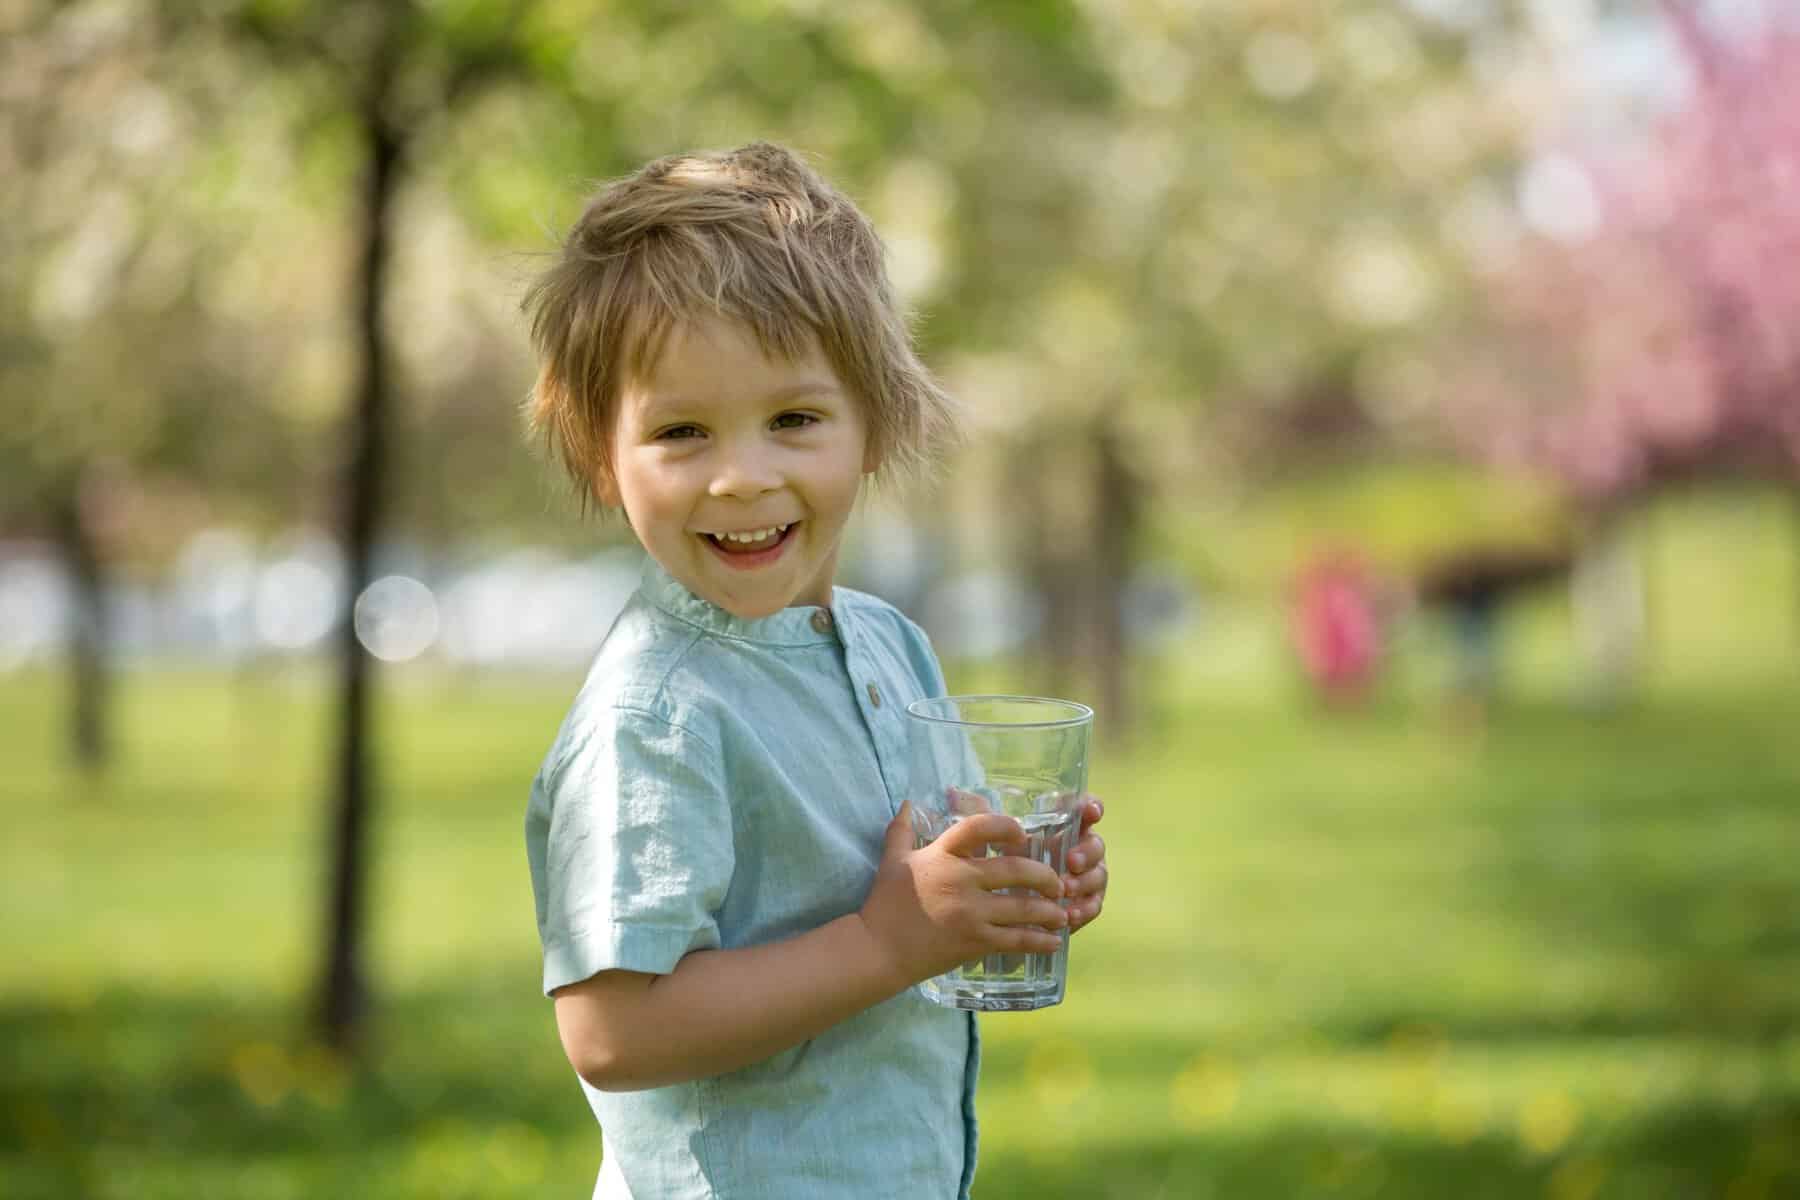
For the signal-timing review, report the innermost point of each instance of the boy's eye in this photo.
(678, 432)
(798, 420)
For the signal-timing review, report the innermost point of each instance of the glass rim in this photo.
(1081, 713)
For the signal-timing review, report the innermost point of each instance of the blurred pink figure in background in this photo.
(1335, 626)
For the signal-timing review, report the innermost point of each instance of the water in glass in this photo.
(1010, 982)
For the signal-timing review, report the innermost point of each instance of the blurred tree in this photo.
(1254, 207)
(124, 367)
(1646, 336)
(383, 77)
(1666, 344)
(45, 462)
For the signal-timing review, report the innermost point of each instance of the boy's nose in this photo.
(746, 474)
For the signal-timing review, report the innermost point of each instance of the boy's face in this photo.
(719, 439)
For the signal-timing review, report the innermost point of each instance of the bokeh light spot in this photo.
(516, 1154)
(396, 618)
(1557, 199)
(1548, 1121)
(263, 1072)
(1282, 66)
(295, 604)
(1204, 1092)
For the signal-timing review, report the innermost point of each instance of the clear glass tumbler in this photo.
(1027, 757)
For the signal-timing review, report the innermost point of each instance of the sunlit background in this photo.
(1385, 413)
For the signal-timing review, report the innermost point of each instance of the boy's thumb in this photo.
(899, 838)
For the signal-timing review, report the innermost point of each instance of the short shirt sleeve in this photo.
(924, 659)
(629, 838)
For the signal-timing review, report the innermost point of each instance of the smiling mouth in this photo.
(750, 551)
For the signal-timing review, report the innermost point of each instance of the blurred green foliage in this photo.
(1357, 956)
(1157, 213)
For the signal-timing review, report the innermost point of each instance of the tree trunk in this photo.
(89, 743)
(1045, 572)
(343, 989)
(1117, 510)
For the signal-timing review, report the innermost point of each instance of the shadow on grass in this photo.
(1697, 1152)
(1751, 1027)
(149, 1081)
(149, 1095)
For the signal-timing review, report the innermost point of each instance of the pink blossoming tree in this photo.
(1665, 343)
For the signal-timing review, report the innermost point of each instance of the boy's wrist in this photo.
(875, 959)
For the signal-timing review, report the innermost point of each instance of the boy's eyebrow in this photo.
(661, 406)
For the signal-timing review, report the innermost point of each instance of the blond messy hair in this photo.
(752, 235)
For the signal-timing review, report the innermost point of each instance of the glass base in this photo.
(980, 997)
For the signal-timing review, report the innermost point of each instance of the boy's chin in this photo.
(748, 612)
(743, 610)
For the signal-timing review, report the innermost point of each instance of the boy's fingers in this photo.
(1024, 910)
(1082, 915)
(1023, 939)
(1012, 871)
(1088, 883)
(971, 836)
(1088, 851)
(898, 840)
(1091, 812)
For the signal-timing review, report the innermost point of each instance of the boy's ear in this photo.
(871, 456)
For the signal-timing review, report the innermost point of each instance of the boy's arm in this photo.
(720, 1010)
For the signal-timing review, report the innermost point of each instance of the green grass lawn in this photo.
(1370, 956)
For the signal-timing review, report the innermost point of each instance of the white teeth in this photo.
(758, 535)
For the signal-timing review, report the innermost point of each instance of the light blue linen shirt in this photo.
(720, 783)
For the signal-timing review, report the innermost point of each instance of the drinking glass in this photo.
(1025, 756)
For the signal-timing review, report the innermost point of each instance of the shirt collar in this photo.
(802, 625)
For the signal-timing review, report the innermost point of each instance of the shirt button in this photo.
(874, 695)
(821, 620)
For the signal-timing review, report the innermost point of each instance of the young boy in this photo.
(732, 911)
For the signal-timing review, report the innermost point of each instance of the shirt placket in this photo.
(880, 716)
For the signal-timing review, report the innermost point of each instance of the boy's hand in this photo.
(934, 908)
(1085, 884)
